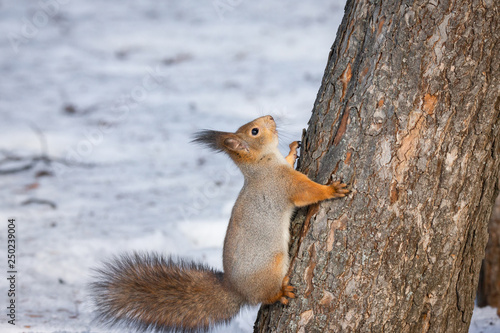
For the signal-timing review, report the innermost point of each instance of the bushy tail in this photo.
(151, 292)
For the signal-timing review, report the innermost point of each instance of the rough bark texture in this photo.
(489, 280)
(408, 114)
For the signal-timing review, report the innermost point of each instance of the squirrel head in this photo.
(248, 144)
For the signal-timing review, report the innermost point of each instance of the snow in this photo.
(485, 320)
(111, 92)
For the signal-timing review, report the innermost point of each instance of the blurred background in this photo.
(98, 102)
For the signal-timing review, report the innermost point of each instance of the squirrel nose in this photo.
(271, 118)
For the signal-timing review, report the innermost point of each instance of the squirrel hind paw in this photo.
(287, 291)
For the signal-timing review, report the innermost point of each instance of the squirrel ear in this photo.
(235, 144)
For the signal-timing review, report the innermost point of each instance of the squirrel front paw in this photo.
(339, 189)
(292, 155)
(294, 146)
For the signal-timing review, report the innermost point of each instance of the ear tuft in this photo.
(209, 138)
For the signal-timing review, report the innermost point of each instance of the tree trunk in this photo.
(408, 114)
(489, 280)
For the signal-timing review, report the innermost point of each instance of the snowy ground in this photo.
(109, 92)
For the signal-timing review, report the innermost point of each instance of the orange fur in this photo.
(304, 191)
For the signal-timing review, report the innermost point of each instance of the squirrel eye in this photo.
(255, 131)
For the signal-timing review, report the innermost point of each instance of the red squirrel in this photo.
(154, 292)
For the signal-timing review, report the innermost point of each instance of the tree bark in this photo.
(489, 279)
(408, 114)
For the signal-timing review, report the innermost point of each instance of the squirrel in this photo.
(152, 292)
